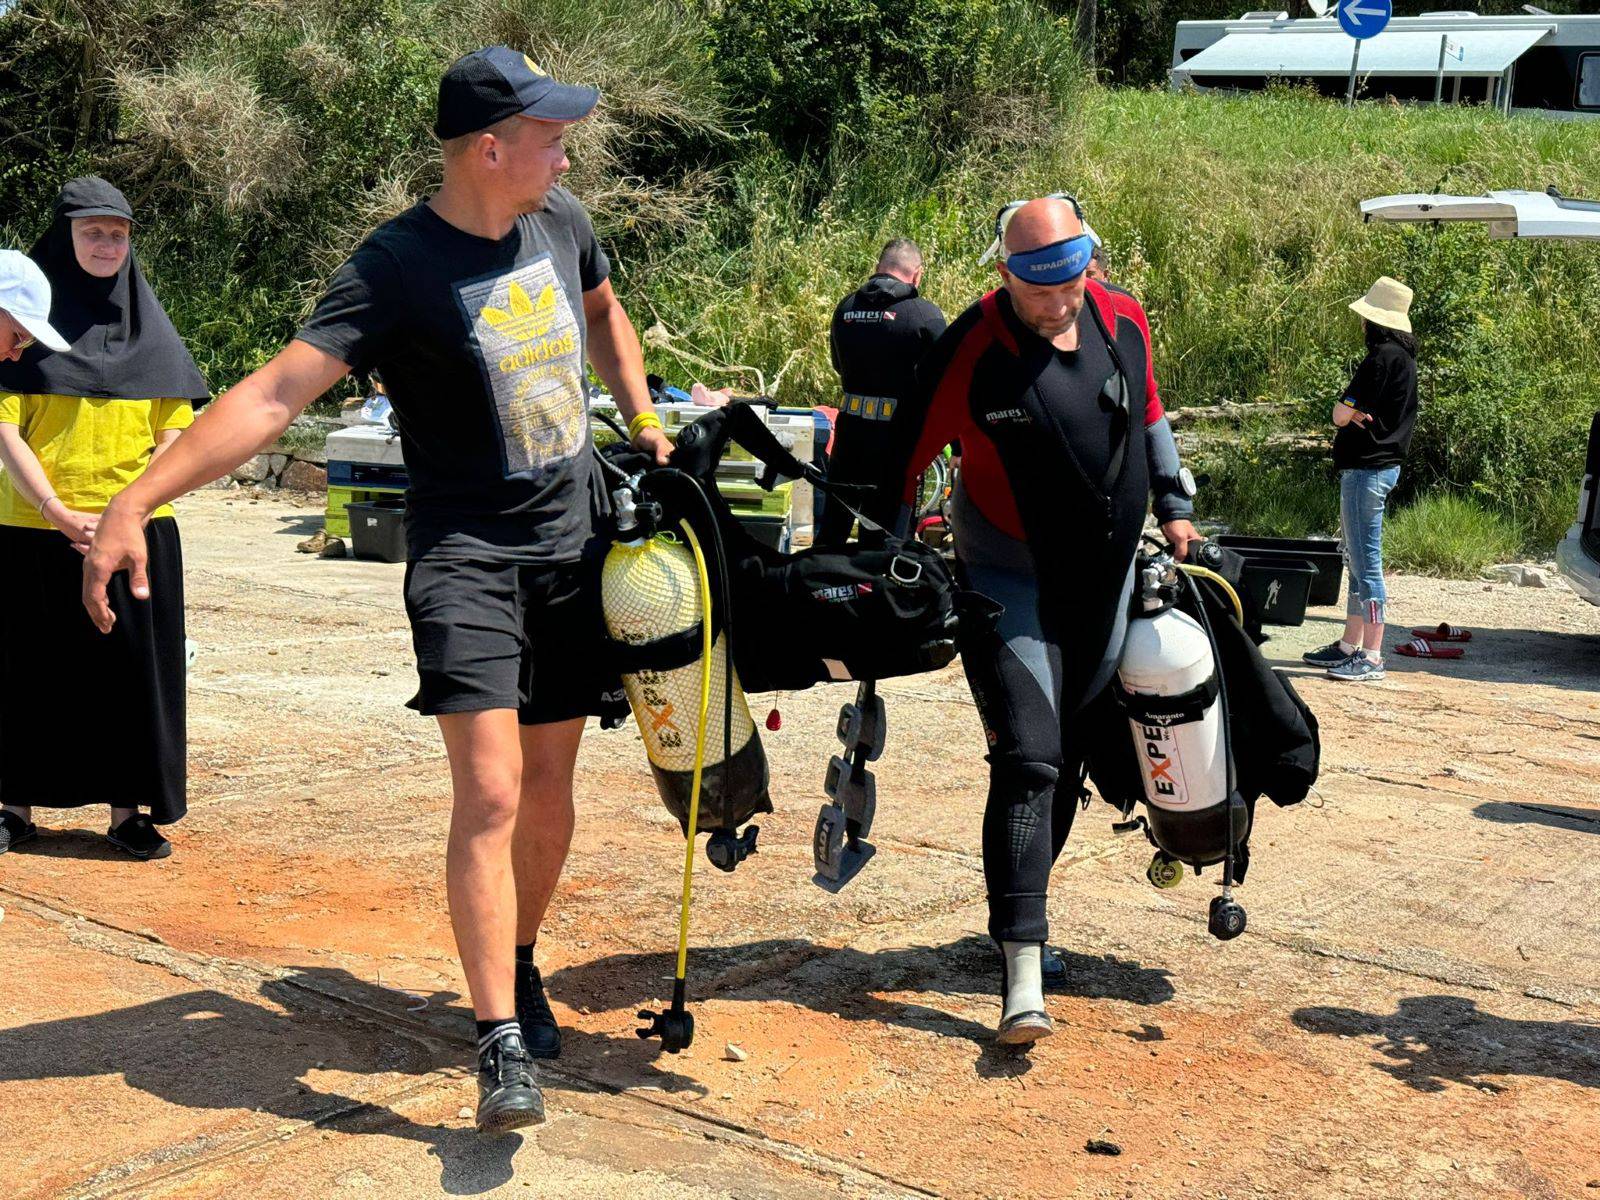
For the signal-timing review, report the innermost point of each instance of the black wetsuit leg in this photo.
(1016, 679)
(1015, 675)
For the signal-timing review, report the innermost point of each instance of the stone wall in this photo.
(296, 464)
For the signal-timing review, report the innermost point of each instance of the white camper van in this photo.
(1537, 62)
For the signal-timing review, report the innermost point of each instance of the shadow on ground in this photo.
(73, 840)
(1562, 660)
(302, 525)
(209, 1050)
(1434, 1040)
(855, 985)
(1537, 656)
(1556, 816)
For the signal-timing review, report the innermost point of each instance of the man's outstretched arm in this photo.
(245, 418)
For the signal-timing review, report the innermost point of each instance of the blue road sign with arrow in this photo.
(1362, 19)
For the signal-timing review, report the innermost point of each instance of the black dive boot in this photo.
(508, 1098)
(540, 1032)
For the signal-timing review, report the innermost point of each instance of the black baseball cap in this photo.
(490, 85)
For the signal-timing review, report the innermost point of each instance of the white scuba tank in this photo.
(1182, 757)
(650, 590)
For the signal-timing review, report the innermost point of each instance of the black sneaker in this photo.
(140, 838)
(1327, 656)
(508, 1098)
(540, 1033)
(14, 831)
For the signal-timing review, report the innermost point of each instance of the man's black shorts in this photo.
(502, 635)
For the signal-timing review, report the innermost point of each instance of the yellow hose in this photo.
(1208, 573)
(699, 749)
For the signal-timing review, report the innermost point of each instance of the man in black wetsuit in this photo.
(1048, 384)
(880, 331)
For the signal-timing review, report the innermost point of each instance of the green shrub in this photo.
(825, 76)
(1450, 535)
(1292, 495)
(751, 156)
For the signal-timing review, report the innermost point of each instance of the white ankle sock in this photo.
(1024, 984)
(1373, 655)
(1347, 647)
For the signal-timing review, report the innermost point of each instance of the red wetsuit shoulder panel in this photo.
(983, 473)
(1114, 305)
(948, 417)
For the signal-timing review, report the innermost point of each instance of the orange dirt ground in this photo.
(276, 1010)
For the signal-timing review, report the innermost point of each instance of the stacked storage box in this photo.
(776, 517)
(364, 463)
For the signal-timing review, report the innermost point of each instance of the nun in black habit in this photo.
(86, 718)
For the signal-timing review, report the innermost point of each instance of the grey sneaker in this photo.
(1358, 668)
(1327, 656)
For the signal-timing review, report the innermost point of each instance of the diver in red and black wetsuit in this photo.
(1048, 384)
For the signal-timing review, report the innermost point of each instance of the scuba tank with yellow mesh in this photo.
(650, 599)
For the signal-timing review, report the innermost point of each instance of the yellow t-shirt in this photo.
(90, 448)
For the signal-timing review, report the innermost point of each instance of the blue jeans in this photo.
(1363, 493)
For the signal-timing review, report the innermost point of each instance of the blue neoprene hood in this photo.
(1059, 262)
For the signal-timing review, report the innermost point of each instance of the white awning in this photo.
(1508, 214)
(1295, 53)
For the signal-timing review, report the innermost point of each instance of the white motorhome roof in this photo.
(1508, 214)
(1303, 49)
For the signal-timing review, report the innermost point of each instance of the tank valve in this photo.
(727, 849)
(627, 510)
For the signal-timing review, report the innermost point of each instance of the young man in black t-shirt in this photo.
(479, 306)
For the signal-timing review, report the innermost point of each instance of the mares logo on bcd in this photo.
(841, 593)
(1007, 416)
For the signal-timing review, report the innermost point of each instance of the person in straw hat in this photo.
(1375, 418)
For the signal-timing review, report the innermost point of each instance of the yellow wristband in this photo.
(645, 420)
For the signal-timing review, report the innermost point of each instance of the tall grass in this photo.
(1284, 495)
(1448, 535)
(1234, 220)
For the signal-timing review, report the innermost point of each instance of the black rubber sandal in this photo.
(14, 831)
(140, 838)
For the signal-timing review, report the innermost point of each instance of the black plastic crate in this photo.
(772, 531)
(1322, 553)
(1280, 588)
(356, 475)
(378, 529)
